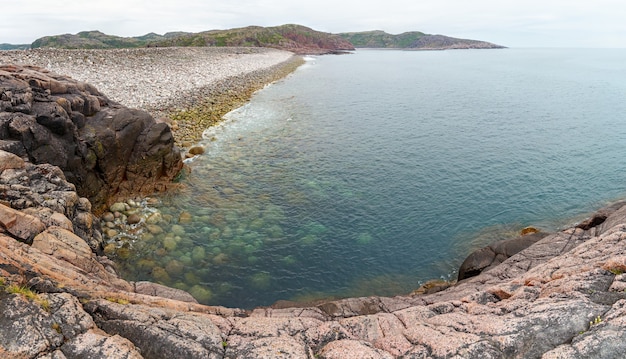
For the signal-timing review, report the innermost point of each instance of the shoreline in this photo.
(196, 113)
(190, 87)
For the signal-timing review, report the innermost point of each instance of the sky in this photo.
(512, 23)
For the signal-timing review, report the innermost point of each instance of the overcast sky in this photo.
(513, 23)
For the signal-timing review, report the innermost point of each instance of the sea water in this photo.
(373, 172)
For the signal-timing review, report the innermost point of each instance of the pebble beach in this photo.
(192, 88)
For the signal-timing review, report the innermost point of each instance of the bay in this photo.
(373, 172)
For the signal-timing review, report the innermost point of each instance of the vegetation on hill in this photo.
(296, 38)
(99, 40)
(412, 40)
(381, 39)
(14, 47)
(291, 37)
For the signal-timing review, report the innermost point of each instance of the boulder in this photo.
(490, 256)
(18, 225)
(55, 326)
(42, 191)
(107, 150)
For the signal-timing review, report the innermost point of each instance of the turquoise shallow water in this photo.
(373, 172)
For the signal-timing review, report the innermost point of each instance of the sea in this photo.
(373, 172)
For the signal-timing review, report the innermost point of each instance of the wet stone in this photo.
(118, 207)
(133, 218)
(108, 217)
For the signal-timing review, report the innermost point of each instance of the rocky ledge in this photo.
(105, 149)
(561, 297)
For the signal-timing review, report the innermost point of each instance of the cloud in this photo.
(512, 23)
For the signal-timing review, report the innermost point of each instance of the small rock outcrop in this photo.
(105, 149)
(490, 256)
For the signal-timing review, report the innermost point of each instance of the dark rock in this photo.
(105, 149)
(487, 257)
(133, 219)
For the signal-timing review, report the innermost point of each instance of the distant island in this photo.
(296, 38)
(413, 40)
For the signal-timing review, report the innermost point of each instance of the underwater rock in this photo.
(196, 150)
(154, 218)
(260, 280)
(154, 229)
(198, 254)
(160, 275)
(185, 218)
(202, 294)
(174, 268)
(169, 243)
(178, 230)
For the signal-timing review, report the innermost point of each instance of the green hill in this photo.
(382, 40)
(414, 40)
(14, 47)
(296, 38)
(97, 40)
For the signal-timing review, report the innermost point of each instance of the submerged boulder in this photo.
(105, 149)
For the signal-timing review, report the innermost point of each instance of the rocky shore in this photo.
(562, 297)
(193, 86)
(558, 295)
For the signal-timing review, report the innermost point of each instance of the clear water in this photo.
(373, 172)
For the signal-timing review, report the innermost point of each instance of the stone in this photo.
(27, 328)
(185, 218)
(19, 225)
(154, 229)
(346, 349)
(495, 253)
(117, 207)
(133, 219)
(10, 161)
(97, 344)
(154, 218)
(108, 217)
(196, 150)
(200, 293)
(160, 333)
